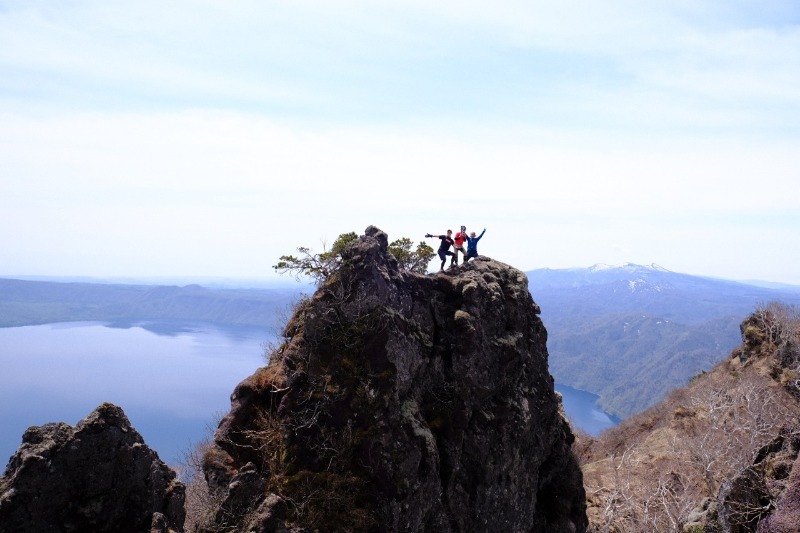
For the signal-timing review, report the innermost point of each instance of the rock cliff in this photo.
(765, 497)
(98, 476)
(401, 402)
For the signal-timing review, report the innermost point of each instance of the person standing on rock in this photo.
(444, 248)
(459, 239)
(472, 245)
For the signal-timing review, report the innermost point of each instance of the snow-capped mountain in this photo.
(631, 333)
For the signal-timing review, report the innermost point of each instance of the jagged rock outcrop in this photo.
(743, 501)
(765, 497)
(97, 476)
(786, 517)
(402, 402)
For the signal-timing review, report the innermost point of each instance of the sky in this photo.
(207, 138)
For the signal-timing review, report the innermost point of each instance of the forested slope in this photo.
(632, 333)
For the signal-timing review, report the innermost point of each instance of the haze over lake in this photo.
(172, 380)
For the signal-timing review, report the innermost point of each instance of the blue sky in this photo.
(207, 138)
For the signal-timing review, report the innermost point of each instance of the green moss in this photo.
(753, 336)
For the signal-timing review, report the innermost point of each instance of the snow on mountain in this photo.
(628, 267)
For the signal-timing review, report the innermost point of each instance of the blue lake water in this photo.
(172, 381)
(583, 412)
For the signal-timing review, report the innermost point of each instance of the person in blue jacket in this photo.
(472, 245)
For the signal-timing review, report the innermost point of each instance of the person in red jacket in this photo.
(458, 244)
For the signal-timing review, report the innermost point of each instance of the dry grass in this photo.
(653, 469)
(200, 503)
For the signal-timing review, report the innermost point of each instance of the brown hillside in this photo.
(663, 470)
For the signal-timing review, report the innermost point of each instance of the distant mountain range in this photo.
(627, 333)
(631, 333)
(27, 302)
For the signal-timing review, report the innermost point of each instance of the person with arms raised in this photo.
(472, 245)
(444, 247)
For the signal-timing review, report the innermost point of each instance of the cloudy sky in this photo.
(209, 137)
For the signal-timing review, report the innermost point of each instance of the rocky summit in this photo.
(98, 476)
(401, 402)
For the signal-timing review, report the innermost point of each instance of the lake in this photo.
(172, 380)
(583, 412)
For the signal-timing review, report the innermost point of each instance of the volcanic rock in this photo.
(98, 476)
(402, 402)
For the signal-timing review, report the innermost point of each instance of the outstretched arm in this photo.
(481, 235)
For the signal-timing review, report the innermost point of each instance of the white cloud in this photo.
(199, 136)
